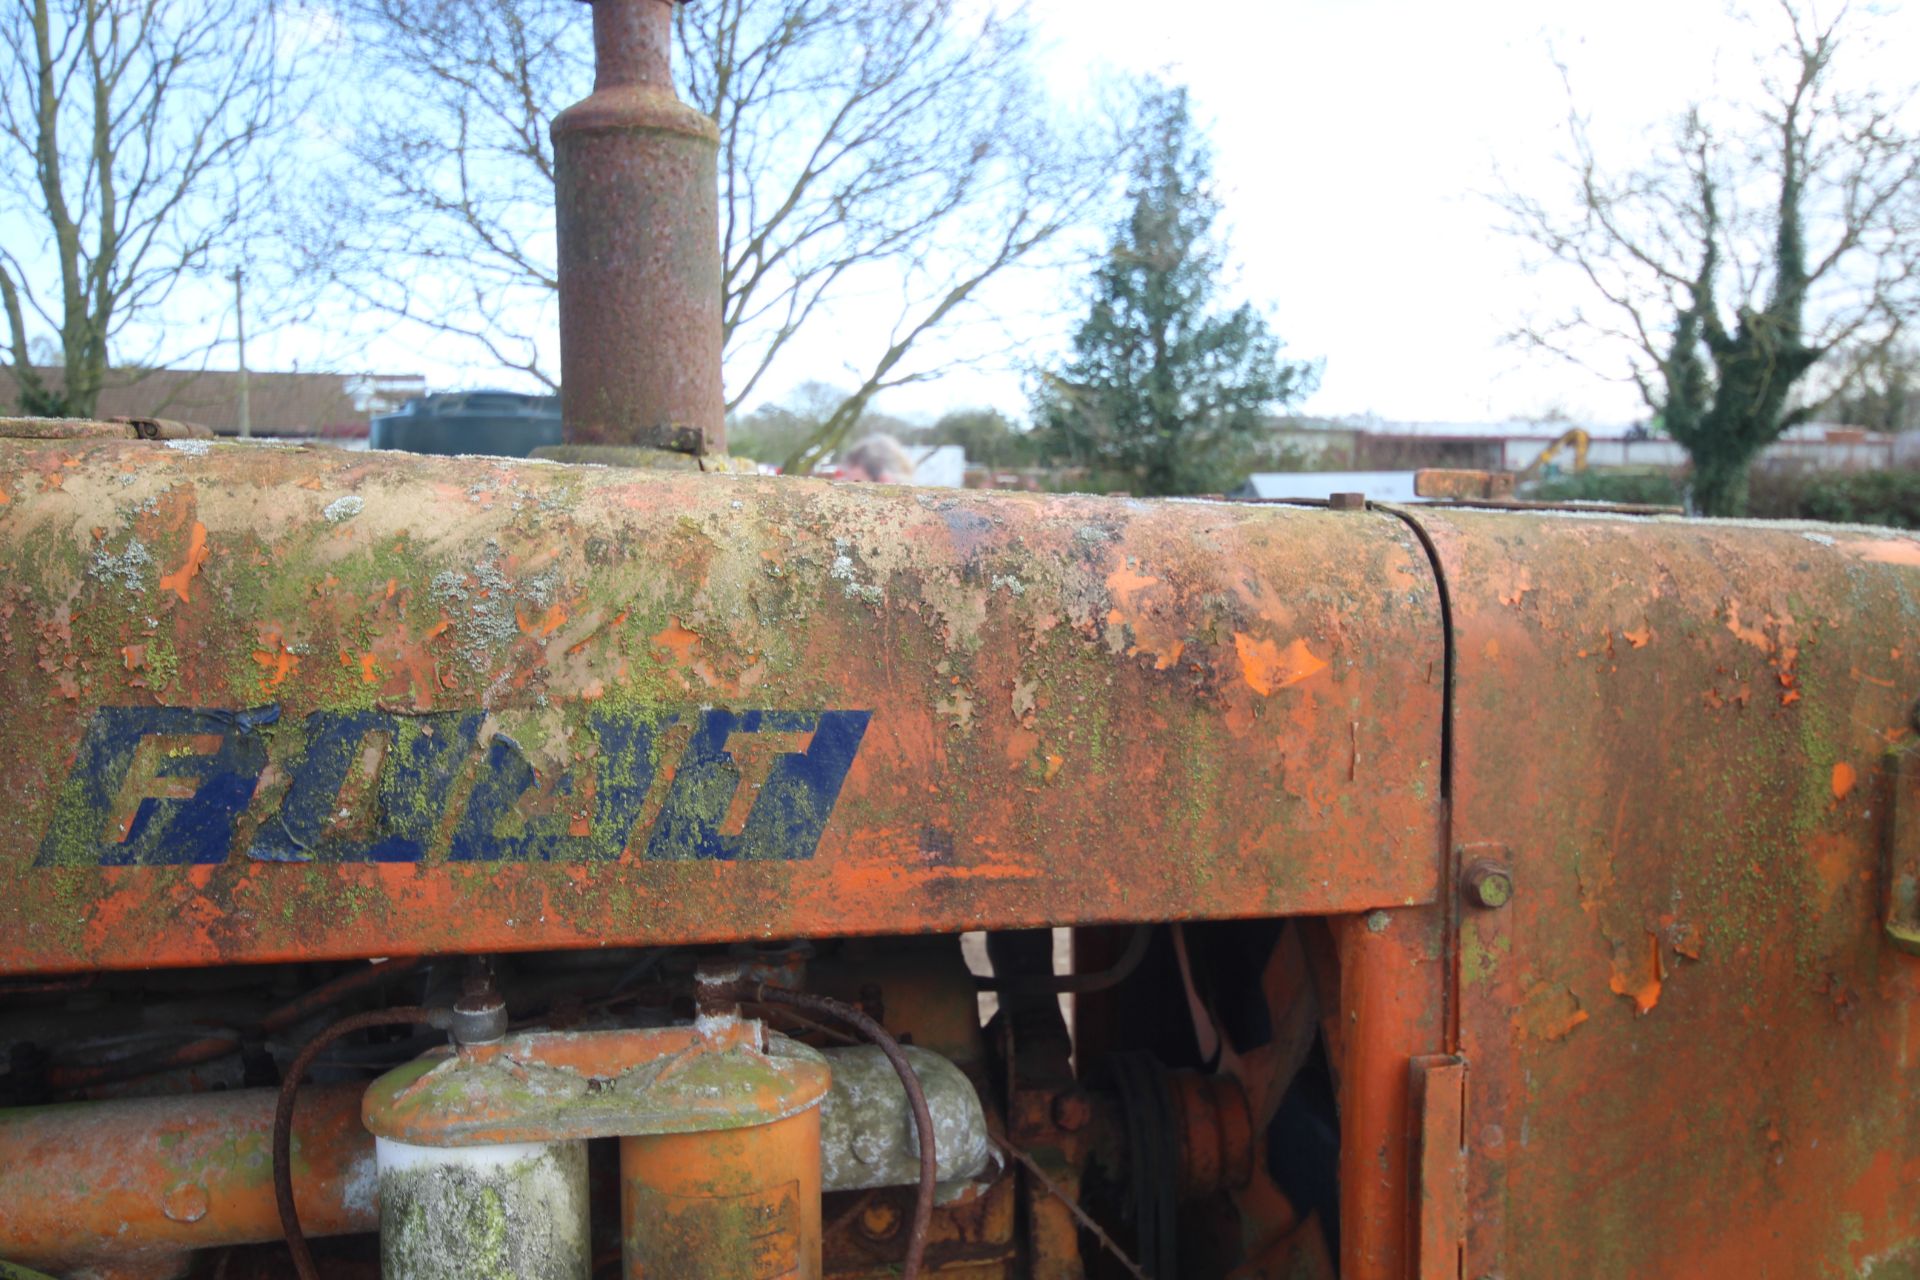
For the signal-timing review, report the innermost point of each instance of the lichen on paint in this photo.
(127, 568)
(867, 1134)
(484, 1213)
(344, 507)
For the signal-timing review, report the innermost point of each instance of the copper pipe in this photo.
(287, 1204)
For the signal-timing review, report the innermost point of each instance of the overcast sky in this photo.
(1356, 144)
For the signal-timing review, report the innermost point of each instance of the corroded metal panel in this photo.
(276, 702)
(1690, 1038)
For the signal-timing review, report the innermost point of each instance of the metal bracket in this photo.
(1440, 1166)
(1901, 874)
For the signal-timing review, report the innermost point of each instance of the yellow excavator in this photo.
(1574, 437)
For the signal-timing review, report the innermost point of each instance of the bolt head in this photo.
(879, 1220)
(1489, 885)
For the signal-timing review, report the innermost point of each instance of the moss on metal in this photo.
(1054, 688)
(523, 1218)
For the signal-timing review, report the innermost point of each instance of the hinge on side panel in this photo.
(1440, 1166)
(1902, 854)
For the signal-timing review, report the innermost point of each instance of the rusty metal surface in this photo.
(1216, 1133)
(1901, 883)
(1441, 482)
(276, 702)
(1388, 1008)
(558, 1086)
(714, 1206)
(124, 1183)
(1440, 1166)
(165, 428)
(1689, 1041)
(66, 429)
(637, 204)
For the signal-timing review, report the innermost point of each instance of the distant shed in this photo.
(1379, 486)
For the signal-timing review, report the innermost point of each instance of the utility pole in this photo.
(240, 325)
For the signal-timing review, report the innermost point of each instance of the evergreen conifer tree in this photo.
(1163, 393)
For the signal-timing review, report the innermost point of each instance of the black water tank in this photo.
(504, 424)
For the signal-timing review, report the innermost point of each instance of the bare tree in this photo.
(1883, 389)
(879, 147)
(1768, 238)
(133, 140)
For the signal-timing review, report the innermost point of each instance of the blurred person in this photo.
(879, 458)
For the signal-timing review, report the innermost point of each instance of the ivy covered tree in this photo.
(1755, 273)
(1164, 393)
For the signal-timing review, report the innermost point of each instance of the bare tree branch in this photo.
(1733, 262)
(136, 142)
(861, 140)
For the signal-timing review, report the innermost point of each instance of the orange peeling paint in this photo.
(1844, 776)
(1752, 635)
(1267, 667)
(1125, 584)
(1638, 639)
(181, 580)
(278, 663)
(1890, 551)
(678, 640)
(1639, 972)
(367, 672)
(1551, 1012)
(543, 626)
(1516, 589)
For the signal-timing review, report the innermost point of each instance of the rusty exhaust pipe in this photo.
(637, 213)
(133, 1187)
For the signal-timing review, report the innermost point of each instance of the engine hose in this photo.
(1153, 1154)
(412, 1015)
(761, 993)
(213, 1048)
(1076, 984)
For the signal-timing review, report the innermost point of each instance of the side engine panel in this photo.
(1688, 1037)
